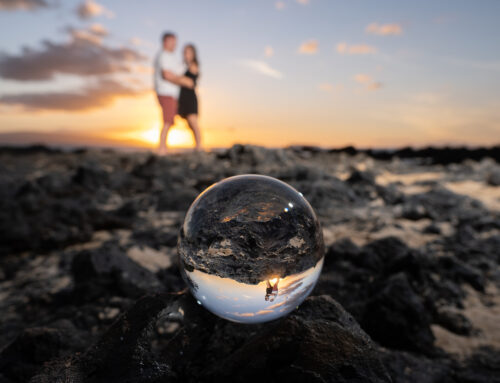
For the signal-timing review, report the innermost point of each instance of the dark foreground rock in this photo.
(319, 342)
(109, 269)
(396, 316)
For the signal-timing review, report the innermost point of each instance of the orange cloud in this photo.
(374, 85)
(384, 29)
(143, 69)
(135, 41)
(303, 2)
(98, 30)
(89, 9)
(357, 49)
(363, 78)
(279, 5)
(309, 47)
(325, 87)
(367, 81)
(268, 51)
(243, 314)
(93, 35)
(264, 312)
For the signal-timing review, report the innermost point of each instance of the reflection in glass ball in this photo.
(251, 248)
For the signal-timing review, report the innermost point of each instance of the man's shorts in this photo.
(169, 107)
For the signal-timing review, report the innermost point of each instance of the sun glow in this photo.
(179, 135)
(150, 135)
(274, 280)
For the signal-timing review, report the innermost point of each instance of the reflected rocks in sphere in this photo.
(251, 248)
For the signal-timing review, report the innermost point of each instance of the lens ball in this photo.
(251, 248)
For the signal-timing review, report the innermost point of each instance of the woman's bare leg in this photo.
(192, 120)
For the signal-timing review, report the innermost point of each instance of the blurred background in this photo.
(274, 73)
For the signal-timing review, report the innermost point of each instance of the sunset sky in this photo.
(274, 73)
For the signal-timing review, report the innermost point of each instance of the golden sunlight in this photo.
(274, 280)
(179, 135)
(150, 135)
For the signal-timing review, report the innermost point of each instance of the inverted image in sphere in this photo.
(251, 248)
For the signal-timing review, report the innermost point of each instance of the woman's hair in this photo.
(195, 55)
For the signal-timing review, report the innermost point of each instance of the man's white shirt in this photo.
(166, 61)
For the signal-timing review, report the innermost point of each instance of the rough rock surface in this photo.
(90, 289)
(319, 342)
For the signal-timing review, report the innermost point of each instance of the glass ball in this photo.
(251, 248)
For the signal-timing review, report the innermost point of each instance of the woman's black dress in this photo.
(188, 102)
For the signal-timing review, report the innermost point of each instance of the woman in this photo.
(188, 102)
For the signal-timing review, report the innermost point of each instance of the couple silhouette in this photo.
(271, 290)
(175, 85)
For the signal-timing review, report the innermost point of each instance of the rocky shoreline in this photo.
(90, 288)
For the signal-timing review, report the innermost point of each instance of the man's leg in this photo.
(162, 148)
(169, 108)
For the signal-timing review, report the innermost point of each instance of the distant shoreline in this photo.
(430, 154)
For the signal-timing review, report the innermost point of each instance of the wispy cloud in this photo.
(309, 47)
(355, 49)
(262, 67)
(326, 87)
(100, 94)
(89, 9)
(98, 30)
(367, 81)
(329, 87)
(94, 34)
(279, 5)
(268, 51)
(137, 41)
(363, 78)
(374, 85)
(264, 312)
(384, 29)
(303, 2)
(26, 5)
(278, 304)
(244, 315)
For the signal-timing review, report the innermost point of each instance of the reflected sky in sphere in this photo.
(251, 248)
(247, 303)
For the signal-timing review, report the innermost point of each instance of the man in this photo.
(168, 78)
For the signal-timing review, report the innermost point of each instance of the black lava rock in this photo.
(319, 342)
(494, 178)
(108, 270)
(396, 317)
